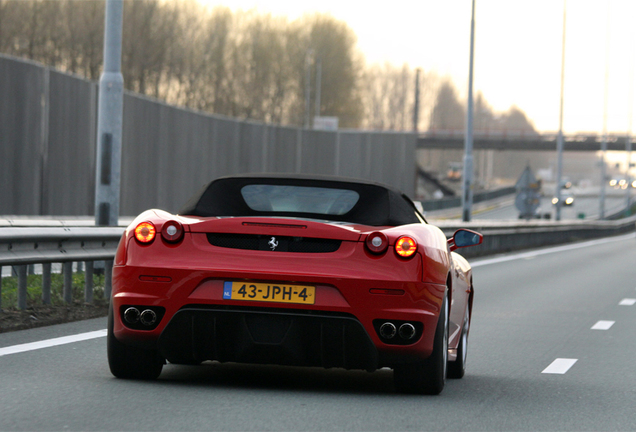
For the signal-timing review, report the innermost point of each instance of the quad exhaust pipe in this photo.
(147, 317)
(131, 315)
(407, 331)
(389, 330)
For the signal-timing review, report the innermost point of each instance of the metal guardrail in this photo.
(507, 236)
(21, 247)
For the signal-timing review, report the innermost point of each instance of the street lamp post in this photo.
(109, 120)
(467, 195)
(605, 104)
(559, 204)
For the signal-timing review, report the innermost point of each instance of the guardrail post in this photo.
(46, 283)
(0, 288)
(88, 282)
(22, 286)
(68, 282)
(108, 278)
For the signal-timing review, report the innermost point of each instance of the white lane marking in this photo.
(603, 325)
(559, 366)
(535, 253)
(627, 302)
(51, 342)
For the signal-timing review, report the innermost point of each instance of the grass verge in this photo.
(38, 314)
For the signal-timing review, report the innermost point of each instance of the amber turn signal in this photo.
(405, 247)
(145, 232)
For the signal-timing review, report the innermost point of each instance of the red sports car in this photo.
(293, 270)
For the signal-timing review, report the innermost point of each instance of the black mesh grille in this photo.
(274, 243)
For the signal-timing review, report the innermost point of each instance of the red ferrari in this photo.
(293, 270)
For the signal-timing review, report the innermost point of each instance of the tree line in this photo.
(242, 64)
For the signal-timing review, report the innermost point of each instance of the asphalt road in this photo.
(530, 310)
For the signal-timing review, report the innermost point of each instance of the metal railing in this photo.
(513, 235)
(21, 247)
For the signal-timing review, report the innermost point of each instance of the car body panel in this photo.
(355, 291)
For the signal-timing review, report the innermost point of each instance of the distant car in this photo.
(621, 183)
(293, 270)
(454, 172)
(566, 197)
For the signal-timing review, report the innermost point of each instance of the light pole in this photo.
(605, 102)
(416, 105)
(318, 86)
(628, 143)
(467, 195)
(308, 56)
(559, 204)
(109, 120)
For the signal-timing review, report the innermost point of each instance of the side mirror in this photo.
(464, 238)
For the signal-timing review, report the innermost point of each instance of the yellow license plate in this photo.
(269, 292)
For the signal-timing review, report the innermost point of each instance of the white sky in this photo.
(517, 49)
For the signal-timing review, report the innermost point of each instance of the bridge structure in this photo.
(511, 141)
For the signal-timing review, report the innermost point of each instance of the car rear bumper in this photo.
(296, 338)
(341, 329)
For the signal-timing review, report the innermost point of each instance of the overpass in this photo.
(484, 140)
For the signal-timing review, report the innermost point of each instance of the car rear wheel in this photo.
(457, 368)
(427, 376)
(131, 362)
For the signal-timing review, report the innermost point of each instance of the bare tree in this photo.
(334, 43)
(5, 19)
(484, 119)
(448, 113)
(515, 120)
(388, 94)
(241, 64)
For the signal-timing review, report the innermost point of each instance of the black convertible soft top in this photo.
(377, 205)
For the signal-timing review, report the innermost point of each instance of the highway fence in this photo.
(48, 124)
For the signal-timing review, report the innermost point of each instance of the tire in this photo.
(457, 368)
(428, 376)
(131, 362)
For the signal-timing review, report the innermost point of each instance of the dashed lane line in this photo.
(559, 366)
(627, 302)
(15, 349)
(603, 325)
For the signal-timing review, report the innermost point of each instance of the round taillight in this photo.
(377, 242)
(145, 232)
(405, 247)
(172, 231)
